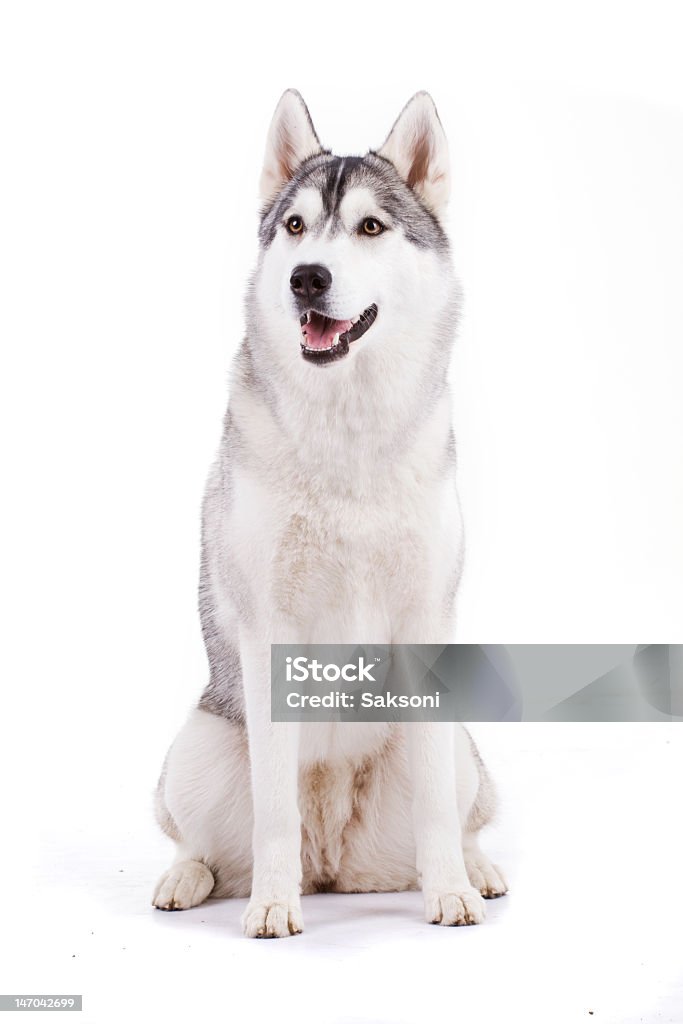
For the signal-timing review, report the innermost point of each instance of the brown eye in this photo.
(371, 226)
(295, 225)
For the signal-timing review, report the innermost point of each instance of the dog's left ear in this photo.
(291, 140)
(418, 149)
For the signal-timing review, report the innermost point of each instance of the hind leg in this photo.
(204, 804)
(477, 810)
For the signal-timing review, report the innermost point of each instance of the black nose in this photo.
(310, 280)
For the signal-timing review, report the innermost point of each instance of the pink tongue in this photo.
(320, 332)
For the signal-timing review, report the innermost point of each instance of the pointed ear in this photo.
(291, 139)
(418, 150)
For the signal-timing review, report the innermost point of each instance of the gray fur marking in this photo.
(333, 176)
(223, 694)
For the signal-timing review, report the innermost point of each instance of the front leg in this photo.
(274, 909)
(449, 897)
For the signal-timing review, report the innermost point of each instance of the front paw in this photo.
(273, 918)
(464, 906)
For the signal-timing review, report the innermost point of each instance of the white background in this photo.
(131, 137)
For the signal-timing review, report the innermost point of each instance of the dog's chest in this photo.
(347, 556)
(348, 567)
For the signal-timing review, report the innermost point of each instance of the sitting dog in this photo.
(331, 516)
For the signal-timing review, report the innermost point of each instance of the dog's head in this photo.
(354, 256)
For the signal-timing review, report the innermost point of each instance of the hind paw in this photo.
(485, 876)
(184, 885)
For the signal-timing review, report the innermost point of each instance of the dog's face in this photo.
(353, 256)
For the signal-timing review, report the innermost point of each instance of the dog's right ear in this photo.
(291, 140)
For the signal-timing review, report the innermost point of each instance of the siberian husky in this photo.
(331, 516)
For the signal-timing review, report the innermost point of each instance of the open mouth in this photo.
(325, 340)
